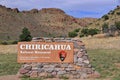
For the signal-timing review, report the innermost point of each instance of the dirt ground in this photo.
(15, 77)
(9, 77)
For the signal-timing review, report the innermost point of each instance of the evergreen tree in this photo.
(25, 36)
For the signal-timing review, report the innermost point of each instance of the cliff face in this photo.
(45, 22)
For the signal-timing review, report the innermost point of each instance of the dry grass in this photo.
(91, 43)
(102, 43)
(8, 49)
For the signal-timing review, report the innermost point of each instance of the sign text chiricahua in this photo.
(45, 52)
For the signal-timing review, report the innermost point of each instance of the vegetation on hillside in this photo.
(112, 30)
(26, 35)
(108, 24)
(83, 32)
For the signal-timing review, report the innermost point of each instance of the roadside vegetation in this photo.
(108, 30)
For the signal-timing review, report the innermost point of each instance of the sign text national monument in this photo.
(45, 52)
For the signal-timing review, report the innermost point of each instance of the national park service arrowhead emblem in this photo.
(62, 55)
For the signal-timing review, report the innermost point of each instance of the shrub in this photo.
(106, 17)
(111, 12)
(14, 42)
(105, 28)
(4, 43)
(77, 30)
(81, 35)
(93, 32)
(72, 34)
(25, 36)
(118, 13)
(85, 31)
(117, 24)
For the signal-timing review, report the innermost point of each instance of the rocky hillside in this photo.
(109, 18)
(45, 22)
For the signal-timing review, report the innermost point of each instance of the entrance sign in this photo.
(55, 52)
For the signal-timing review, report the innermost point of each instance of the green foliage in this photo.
(105, 28)
(8, 42)
(118, 13)
(4, 43)
(81, 35)
(14, 42)
(72, 34)
(93, 32)
(77, 30)
(117, 24)
(86, 32)
(111, 12)
(105, 17)
(110, 30)
(25, 36)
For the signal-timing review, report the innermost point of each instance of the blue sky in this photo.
(76, 8)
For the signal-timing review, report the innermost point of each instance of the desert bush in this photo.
(117, 24)
(14, 42)
(81, 35)
(105, 28)
(4, 43)
(77, 30)
(111, 12)
(105, 17)
(118, 13)
(86, 32)
(72, 34)
(93, 32)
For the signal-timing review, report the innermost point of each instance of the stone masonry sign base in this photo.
(80, 69)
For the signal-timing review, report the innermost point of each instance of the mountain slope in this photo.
(110, 19)
(46, 22)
